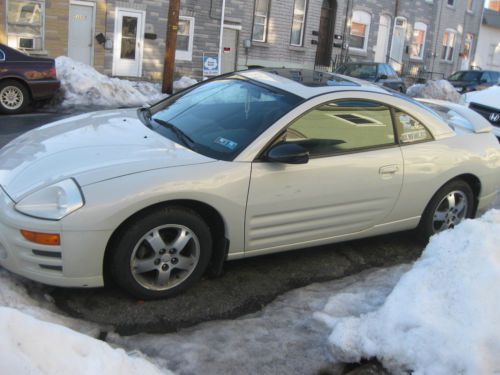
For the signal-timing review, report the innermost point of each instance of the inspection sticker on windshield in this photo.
(226, 143)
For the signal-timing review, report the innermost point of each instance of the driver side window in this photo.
(342, 126)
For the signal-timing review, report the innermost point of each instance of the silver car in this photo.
(246, 164)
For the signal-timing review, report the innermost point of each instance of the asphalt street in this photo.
(15, 125)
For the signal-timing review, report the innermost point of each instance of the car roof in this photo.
(308, 83)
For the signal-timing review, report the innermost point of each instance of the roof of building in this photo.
(491, 18)
(307, 83)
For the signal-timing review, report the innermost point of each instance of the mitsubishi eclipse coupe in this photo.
(245, 164)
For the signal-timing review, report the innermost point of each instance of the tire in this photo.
(440, 214)
(162, 253)
(14, 97)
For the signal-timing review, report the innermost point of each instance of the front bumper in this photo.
(77, 262)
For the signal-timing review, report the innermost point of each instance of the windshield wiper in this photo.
(183, 137)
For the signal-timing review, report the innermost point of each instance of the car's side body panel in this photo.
(329, 196)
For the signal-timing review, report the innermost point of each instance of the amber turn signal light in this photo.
(51, 239)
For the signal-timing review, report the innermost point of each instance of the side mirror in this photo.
(289, 153)
(382, 76)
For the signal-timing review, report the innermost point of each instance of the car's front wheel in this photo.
(161, 253)
(452, 204)
(14, 97)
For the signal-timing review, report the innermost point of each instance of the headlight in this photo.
(53, 202)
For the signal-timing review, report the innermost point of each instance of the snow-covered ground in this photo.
(440, 315)
(35, 339)
(441, 89)
(443, 316)
(83, 86)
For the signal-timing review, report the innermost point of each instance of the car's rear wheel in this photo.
(162, 253)
(452, 204)
(14, 97)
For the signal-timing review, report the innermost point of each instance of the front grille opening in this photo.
(48, 254)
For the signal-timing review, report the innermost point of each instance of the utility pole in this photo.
(171, 38)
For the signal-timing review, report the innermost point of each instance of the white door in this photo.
(469, 40)
(81, 32)
(229, 45)
(398, 43)
(128, 42)
(383, 39)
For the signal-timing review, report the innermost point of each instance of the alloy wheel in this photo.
(165, 257)
(11, 97)
(450, 211)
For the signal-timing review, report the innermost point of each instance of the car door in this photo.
(351, 182)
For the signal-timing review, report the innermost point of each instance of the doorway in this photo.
(229, 52)
(81, 31)
(469, 40)
(383, 39)
(398, 43)
(325, 34)
(128, 42)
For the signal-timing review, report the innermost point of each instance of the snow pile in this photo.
(83, 86)
(441, 89)
(183, 83)
(31, 346)
(443, 317)
(35, 338)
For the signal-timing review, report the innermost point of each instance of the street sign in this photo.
(210, 64)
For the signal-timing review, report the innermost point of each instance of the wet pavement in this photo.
(246, 286)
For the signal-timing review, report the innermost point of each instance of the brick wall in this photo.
(56, 27)
(3, 21)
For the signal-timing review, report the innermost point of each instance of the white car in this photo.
(246, 164)
(487, 104)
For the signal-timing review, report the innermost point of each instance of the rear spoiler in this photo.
(466, 119)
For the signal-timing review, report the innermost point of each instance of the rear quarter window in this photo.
(2, 55)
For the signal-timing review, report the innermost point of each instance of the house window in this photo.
(298, 23)
(185, 36)
(260, 20)
(448, 45)
(470, 6)
(360, 30)
(25, 24)
(450, 3)
(418, 41)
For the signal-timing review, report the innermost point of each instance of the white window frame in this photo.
(265, 24)
(303, 26)
(473, 6)
(17, 35)
(187, 55)
(365, 18)
(420, 26)
(454, 32)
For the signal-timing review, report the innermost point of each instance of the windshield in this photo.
(361, 71)
(465, 76)
(220, 118)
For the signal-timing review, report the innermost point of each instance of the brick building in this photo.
(55, 27)
(425, 38)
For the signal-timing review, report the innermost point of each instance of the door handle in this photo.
(389, 169)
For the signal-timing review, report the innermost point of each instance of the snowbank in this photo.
(443, 317)
(31, 346)
(36, 339)
(441, 89)
(83, 86)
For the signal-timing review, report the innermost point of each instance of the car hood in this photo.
(487, 97)
(89, 148)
